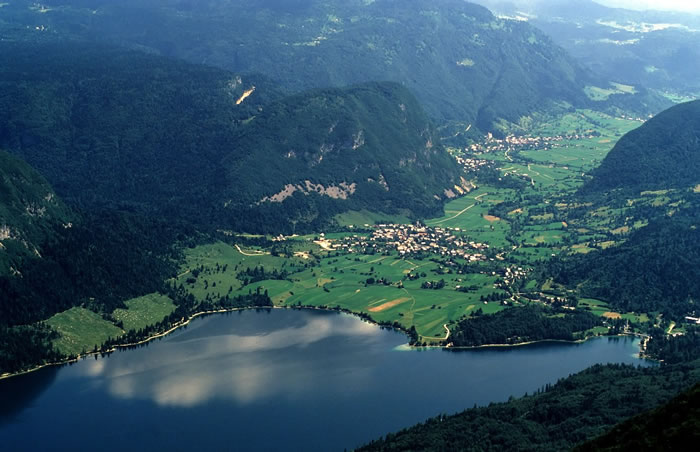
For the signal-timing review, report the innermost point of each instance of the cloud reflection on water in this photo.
(287, 362)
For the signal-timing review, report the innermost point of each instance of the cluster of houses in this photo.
(511, 274)
(410, 240)
(471, 164)
(522, 143)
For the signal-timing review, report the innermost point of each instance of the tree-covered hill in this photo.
(574, 410)
(462, 62)
(661, 154)
(53, 258)
(674, 425)
(366, 146)
(519, 325)
(113, 127)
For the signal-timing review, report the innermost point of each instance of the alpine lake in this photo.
(274, 379)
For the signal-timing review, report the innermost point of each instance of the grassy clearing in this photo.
(144, 311)
(81, 330)
(597, 307)
(598, 94)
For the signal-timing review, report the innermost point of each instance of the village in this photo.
(513, 143)
(409, 240)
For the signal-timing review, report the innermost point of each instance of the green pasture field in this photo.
(599, 307)
(468, 214)
(216, 280)
(341, 281)
(144, 311)
(81, 330)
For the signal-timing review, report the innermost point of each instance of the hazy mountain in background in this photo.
(461, 62)
(656, 49)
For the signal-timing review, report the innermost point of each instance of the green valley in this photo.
(447, 178)
(485, 255)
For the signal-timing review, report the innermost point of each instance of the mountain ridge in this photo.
(463, 63)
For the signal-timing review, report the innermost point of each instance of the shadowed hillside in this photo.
(109, 127)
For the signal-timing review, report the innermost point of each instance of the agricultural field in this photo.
(602, 309)
(470, 214)
(376, 285)
(144, 311)
(81, 330)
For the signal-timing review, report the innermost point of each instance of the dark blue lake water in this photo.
(272, 380)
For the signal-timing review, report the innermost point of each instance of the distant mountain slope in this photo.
(114, 127)
(462, 63)
(29, 211)
(663, 153)
(655, 49)
(674, 425)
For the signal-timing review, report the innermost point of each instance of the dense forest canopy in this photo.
(29, 211)
(526, 324)
(668, 427)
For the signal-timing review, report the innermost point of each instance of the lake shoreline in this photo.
(184, 323)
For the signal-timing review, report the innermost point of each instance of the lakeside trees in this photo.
(525, 324)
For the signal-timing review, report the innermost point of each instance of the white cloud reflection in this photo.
(241, 368)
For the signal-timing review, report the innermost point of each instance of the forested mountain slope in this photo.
(654, 270)
(671, 426)
(29, 211)
(52, 258)
(462, 62)
(661, 154)
(112, 127)
(574, 410)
